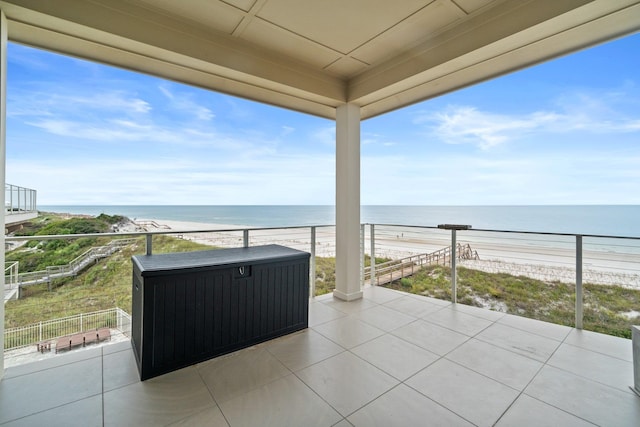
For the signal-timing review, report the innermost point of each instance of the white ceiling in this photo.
(313, 55)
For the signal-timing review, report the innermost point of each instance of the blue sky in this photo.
(564, 132)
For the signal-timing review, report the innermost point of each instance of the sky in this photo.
(563, 132)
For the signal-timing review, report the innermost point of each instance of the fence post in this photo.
(372, 268)
(245, 238)
(579, 293)
(40, 331)
(312, 267)
(81, 323)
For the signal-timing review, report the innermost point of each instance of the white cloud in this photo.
(577, 112)
(184, 102)
(468, 125)
(287, 130)
(325, 135)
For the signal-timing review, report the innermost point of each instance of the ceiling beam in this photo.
(457, 59)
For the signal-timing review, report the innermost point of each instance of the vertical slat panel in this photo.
(181, 313)
(197, 315)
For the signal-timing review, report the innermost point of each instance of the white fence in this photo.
(113, 318)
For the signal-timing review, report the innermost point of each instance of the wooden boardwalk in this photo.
(397, 269)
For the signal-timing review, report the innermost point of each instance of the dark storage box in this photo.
(192, 306)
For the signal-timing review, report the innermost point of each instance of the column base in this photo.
(347, 297)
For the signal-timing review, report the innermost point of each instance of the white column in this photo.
(348, 203)
(3, 160)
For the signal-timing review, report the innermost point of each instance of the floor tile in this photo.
(320, 313)
(501, 365)
(474, 397)
(384, 318)
(483, 313)
(595, 402)
(349, 307)
(545, 329)
(431, 337)
(595, 366)
(86, 413)
(116, 347)
(458, 321)
(302, 349)
(284, 402)
(404, 406)
(42, 390)
(380, 294)
(413, 306)
(525, 343)
(600, 343)
(210, 417)
(530, 412)
(237, 373)
(346, 382)
(395, 356)
(53, 362)
(158, 401)
(436, 301)
(348, 331)
(119, 369)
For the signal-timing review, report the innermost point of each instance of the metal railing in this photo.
(113, 318)
(19, 199)
(74, 267)
(568, 258)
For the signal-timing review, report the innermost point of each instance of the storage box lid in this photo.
(159, 264)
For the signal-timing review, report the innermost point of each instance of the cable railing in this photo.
(556, 258)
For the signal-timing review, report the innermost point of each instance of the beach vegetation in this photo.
(36, 255)
(106, 284)
(607, 309)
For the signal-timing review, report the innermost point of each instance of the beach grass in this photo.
(607, 309)
(106, 284)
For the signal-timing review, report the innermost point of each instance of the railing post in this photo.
(312, 266)
(361, 256)
(454, 258)
(149, 239)
(454, 278)
(372, 268)
(579, 293)
(245, 238)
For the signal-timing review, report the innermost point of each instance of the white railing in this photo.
(11, 274)
(19, 199)
(71, 269)
(113, 318)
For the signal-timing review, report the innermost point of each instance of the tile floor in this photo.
(391, 359)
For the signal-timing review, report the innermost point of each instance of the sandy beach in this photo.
(525, 256)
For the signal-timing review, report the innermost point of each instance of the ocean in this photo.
(608, 220)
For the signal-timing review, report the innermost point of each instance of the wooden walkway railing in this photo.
(71, 269)
(397, 269)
